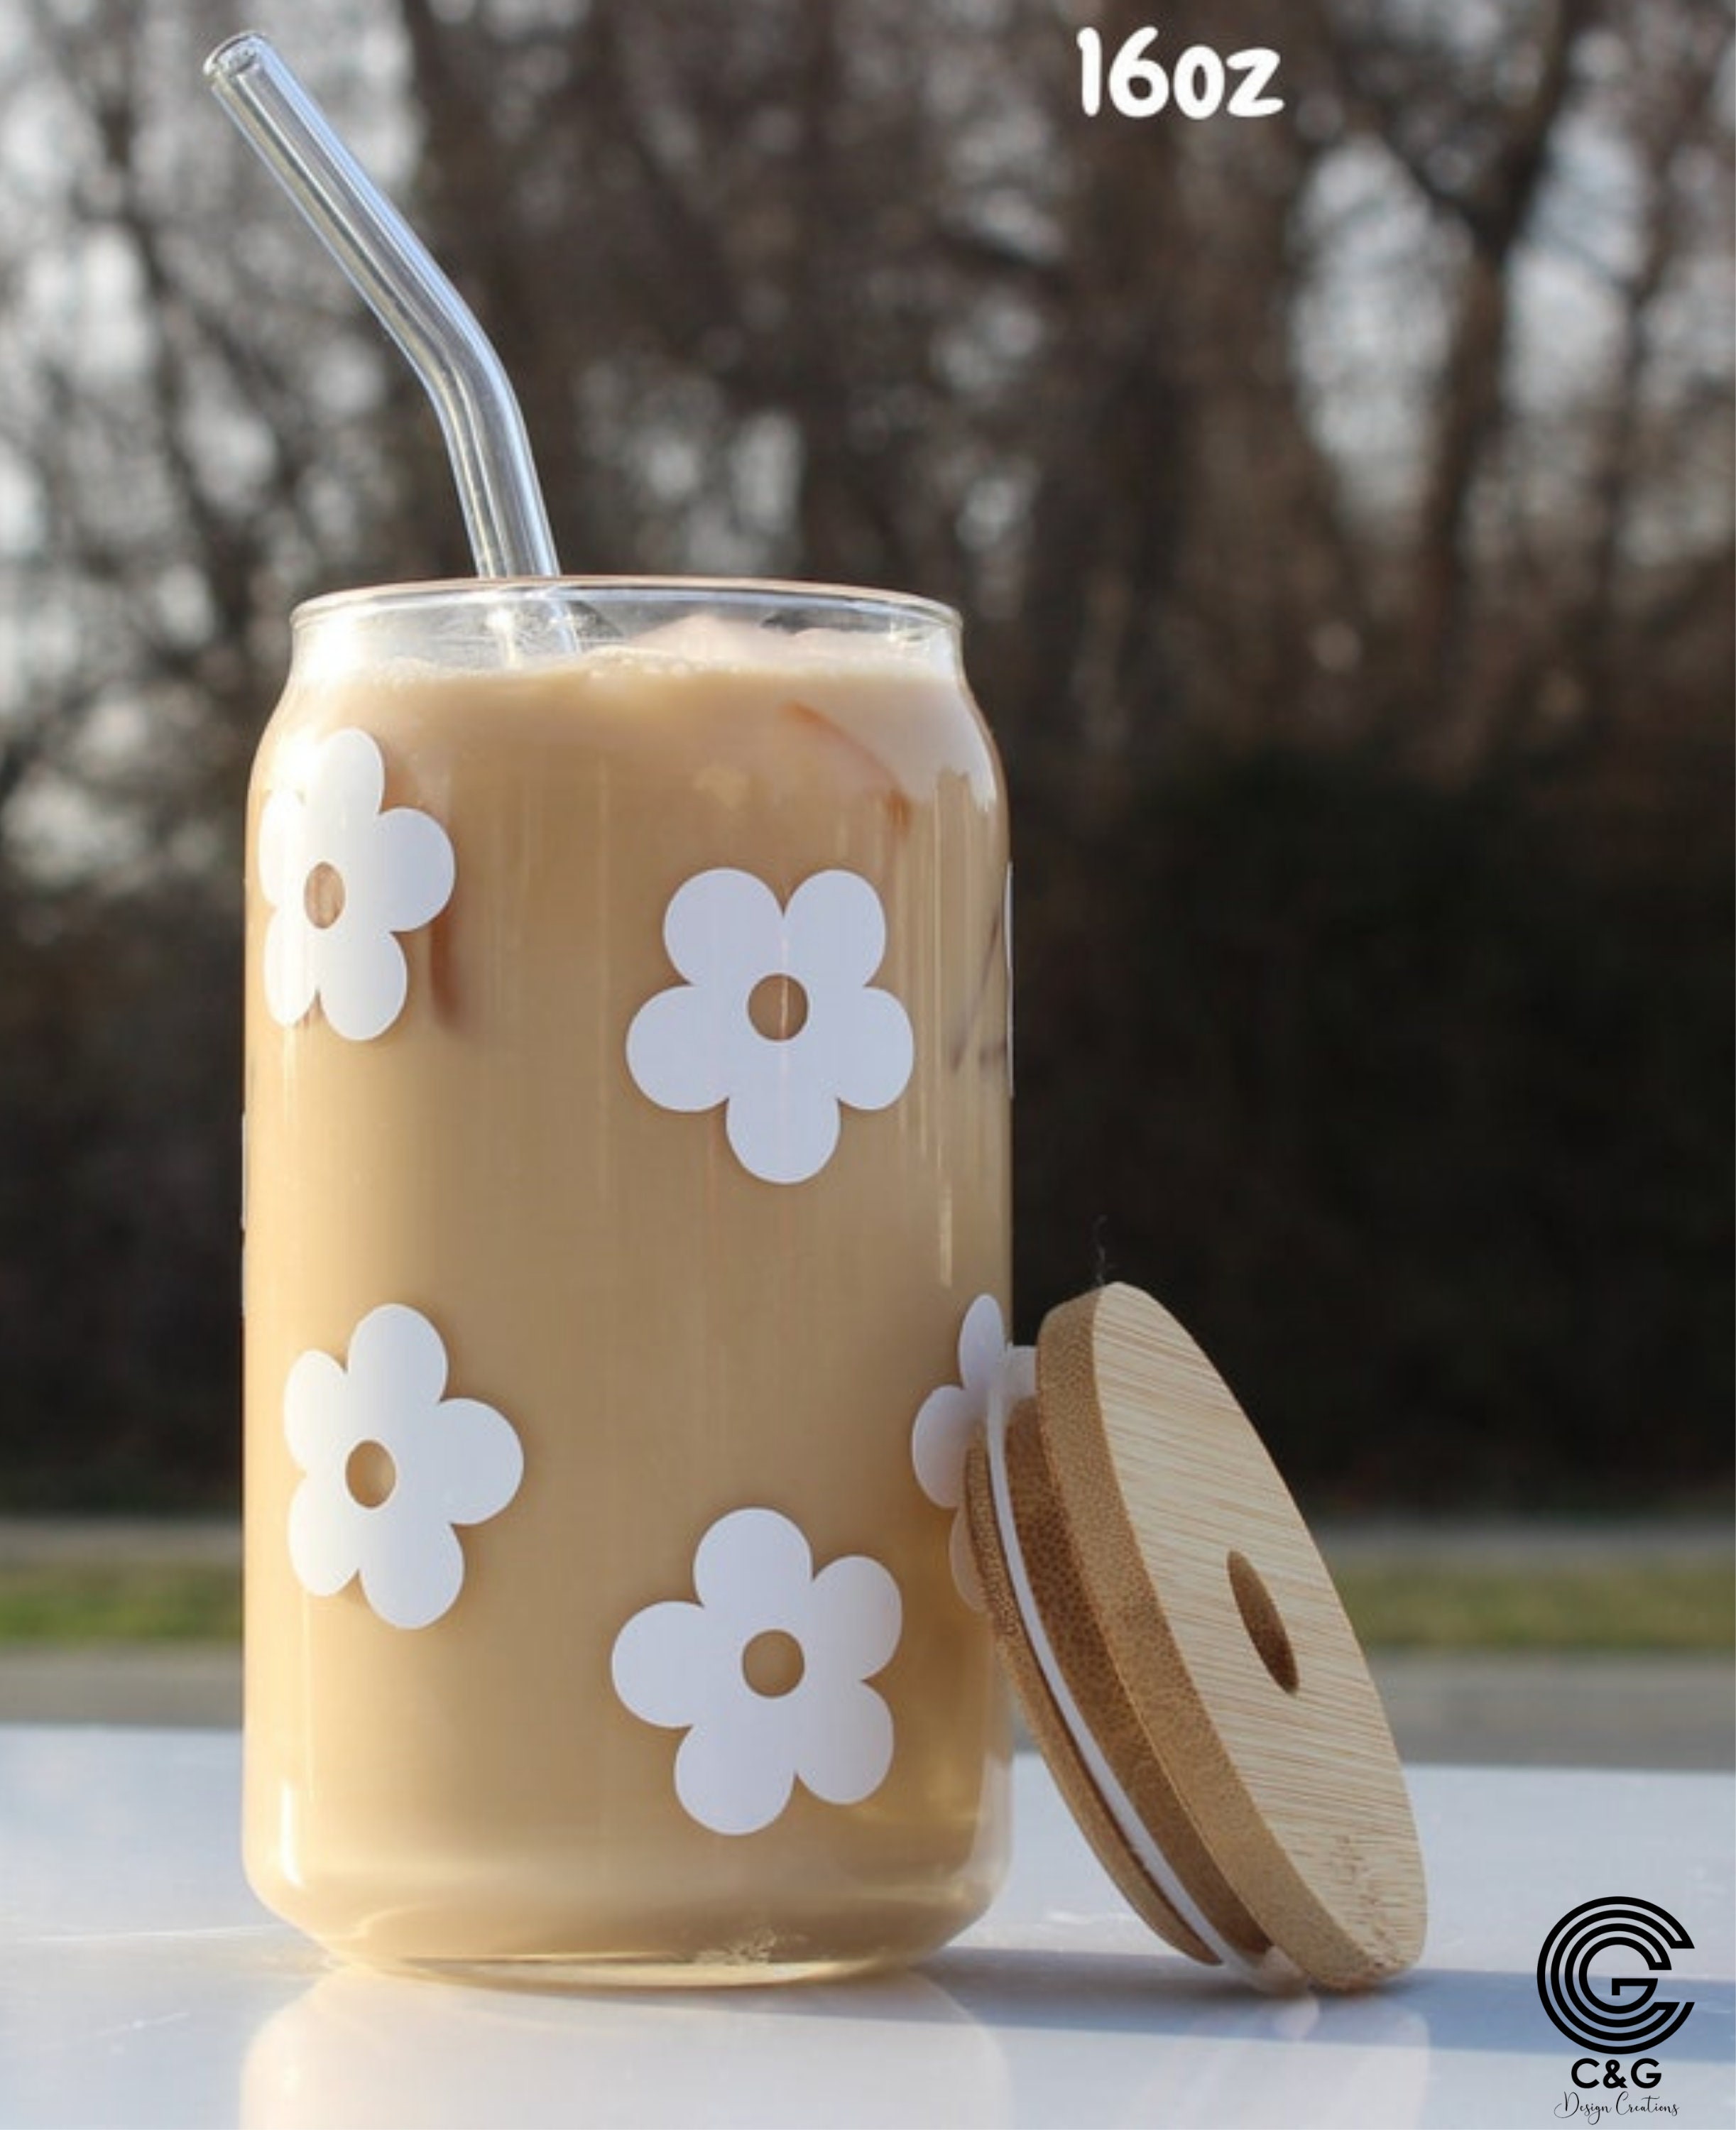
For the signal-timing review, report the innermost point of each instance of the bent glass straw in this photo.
(397, 276)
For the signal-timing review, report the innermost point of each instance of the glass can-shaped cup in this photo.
(627, 1261)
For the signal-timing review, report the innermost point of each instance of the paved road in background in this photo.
(1528, 1708)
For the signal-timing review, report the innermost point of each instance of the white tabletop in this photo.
(141, 1984)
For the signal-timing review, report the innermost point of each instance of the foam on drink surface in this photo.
(716, 643)
(725, 691)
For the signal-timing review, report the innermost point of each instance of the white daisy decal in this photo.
(343, 879)
(391, 1465)
(767, 1674)
(946, 1418)
(777, 1018)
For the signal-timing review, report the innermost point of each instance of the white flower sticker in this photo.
(777, 1018)
(344, 880)
(391, 1465)
(948, 1418)
(766, 1674)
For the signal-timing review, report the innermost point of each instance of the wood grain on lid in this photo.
(1048, 1725)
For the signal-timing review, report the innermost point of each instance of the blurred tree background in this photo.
(1339, 506)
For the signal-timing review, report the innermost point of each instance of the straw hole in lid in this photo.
(1261, 1618)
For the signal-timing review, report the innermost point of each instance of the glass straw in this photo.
(397, 276)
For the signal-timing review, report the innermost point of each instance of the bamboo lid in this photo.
(1182, 1659)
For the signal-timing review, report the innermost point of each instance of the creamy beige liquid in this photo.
(671, 1338)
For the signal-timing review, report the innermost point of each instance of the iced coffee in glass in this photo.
(626, 1264)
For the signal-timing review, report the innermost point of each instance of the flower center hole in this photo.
(370, 1475)
(321, 895)
(773, 1663)
(778, 1008)
(1266, 1631)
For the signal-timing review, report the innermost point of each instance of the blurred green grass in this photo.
(126, 1602)
(1685, 1607)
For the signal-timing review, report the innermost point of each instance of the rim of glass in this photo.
(856, 599)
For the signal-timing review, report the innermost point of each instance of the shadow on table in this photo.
(1449, 2009)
